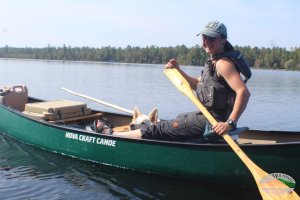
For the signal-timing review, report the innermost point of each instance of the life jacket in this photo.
(213, 91)
(238, 59)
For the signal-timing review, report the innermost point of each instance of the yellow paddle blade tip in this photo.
(175, 77)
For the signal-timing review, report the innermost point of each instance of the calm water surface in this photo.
(29, 173)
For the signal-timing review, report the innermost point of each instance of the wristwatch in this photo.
(231, 123)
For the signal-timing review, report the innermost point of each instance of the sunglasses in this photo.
(210, 39)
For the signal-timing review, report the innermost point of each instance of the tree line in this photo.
(274, 58)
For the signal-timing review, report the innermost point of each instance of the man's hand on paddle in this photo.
(221, 128)
(172, 64)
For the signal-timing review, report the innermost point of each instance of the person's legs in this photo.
(184, 127)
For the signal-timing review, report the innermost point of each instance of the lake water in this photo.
(29, 173)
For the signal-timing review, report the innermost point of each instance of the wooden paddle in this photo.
(269, 187)
(99, 101)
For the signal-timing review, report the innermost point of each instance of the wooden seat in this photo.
(91, 116)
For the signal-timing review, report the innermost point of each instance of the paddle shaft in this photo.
(213, 121)
(183, 86)
(99, 101)
(226, 137)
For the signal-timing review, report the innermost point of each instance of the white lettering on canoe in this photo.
(90, 139)
(86, 138)
(106, 142)
(73, 136)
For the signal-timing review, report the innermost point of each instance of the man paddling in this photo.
(220, 88)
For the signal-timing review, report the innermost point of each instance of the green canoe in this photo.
(273, 151)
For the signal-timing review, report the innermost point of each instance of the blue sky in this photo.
(98, 23)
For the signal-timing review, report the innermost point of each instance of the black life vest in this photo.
(213, 91)
(238, 59)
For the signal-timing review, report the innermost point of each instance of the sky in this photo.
(162, 23)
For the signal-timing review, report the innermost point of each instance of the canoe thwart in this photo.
(92, 116)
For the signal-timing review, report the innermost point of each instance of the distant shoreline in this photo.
(77, 61)
(119, 63)
(86, 61)
(258, 58)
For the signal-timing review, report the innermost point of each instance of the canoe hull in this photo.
(206, 162)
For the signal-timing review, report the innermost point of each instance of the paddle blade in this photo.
(274, 189)
(179, 81)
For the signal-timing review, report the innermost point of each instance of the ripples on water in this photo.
(28, 173)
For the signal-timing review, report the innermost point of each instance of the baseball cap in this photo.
(214, 29)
